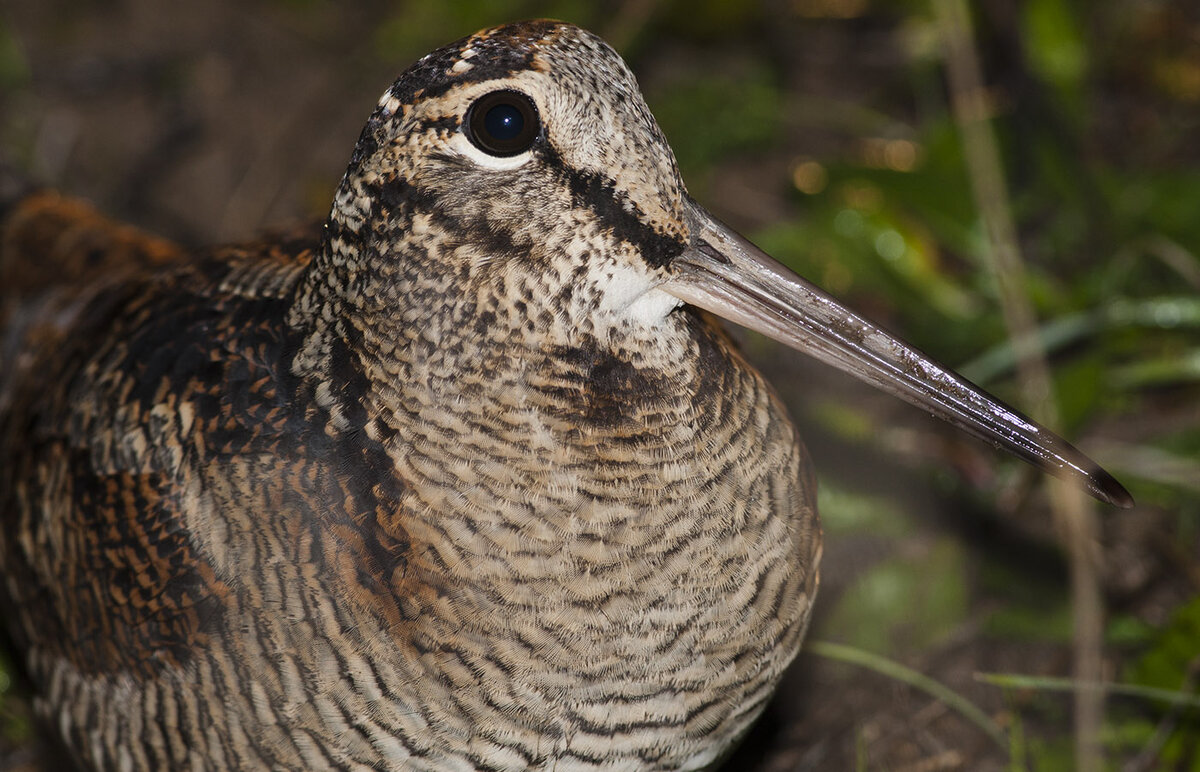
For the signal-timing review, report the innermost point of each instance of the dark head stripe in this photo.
(613, 208)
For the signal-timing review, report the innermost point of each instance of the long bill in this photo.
(724, 273)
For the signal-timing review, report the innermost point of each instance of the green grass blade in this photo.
(1049, 684)
(894, 670)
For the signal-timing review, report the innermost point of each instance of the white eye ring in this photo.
(464, 147)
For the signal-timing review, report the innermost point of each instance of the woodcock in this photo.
(468, 480)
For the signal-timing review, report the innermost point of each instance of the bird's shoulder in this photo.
(148, 414)
(104, 324)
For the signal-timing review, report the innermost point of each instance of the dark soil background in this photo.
(824, 130)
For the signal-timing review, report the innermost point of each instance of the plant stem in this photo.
(1074, 516)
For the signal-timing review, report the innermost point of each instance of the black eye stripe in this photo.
(613, 208)
(503, 123)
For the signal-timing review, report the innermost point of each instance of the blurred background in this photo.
(957, 171)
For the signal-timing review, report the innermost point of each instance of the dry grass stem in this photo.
(1074, 515)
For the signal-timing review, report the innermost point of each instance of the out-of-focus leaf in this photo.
(903, 604)
(710, 119)
(708, 19)
(845, 511)
(1030, 623)
(1166, 313)
(1032, 611)
(415, 26)
(15, 724)
(1054, 43)
(1124, 630)
(1048, 684)
(1174, 368)
(14, 71)
(1175, 655)
(849, 250)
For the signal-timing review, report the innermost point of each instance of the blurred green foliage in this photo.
(1097, 107)
(14, 72)
(709, 120)
(906, 604)
(1171, 661)
(1029, 611)
(1105, 189)
(1054, 40)
(412, 25)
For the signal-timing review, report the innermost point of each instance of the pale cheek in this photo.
(620, 286)
(652, 307)
(629, 294)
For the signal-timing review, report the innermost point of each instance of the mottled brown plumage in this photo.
(458, 483)
(396, 499)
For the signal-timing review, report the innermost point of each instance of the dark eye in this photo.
(503, 123)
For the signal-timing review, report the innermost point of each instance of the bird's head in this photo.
(514, 183)
(522, 165)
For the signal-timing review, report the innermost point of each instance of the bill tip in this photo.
(1106, 488)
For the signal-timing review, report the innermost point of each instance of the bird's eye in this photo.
(503, 123)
